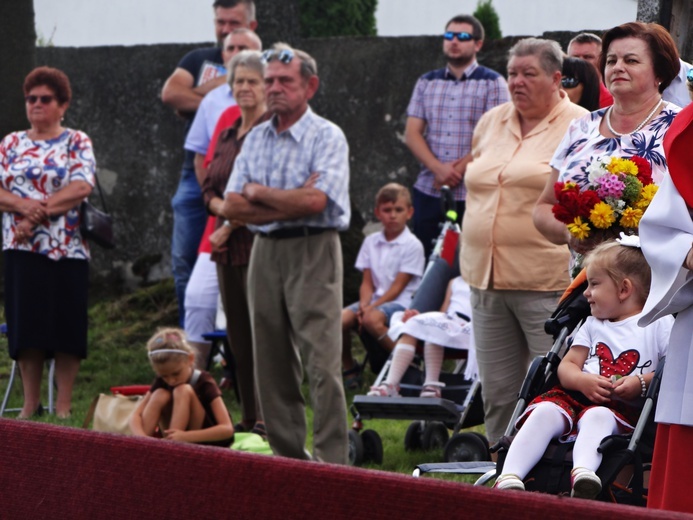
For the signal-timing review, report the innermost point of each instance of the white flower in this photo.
(629, 240)
(597, 168)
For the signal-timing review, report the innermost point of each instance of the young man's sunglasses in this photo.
(461, 36)
(567, 82)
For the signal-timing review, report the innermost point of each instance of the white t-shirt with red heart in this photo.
(622, 348)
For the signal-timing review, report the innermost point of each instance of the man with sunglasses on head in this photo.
(290, 184)
(443, 111)
(198, 72)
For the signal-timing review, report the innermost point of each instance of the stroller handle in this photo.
(448, 205)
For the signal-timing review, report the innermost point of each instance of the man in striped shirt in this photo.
(443, 111)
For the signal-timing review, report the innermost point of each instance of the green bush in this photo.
(337, 18)
(488, 17)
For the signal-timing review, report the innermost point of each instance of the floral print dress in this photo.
(37, 170)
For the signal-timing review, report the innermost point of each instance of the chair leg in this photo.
(10, 382)
(51, 386)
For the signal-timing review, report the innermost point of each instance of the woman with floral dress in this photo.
(638, 61)
(45, 173)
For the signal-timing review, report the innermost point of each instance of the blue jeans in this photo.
(428, 217)
(189, 219)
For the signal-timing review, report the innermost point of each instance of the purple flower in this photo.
(609, 185)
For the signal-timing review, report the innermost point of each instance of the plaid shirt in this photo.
(286, 160)
(451, 109)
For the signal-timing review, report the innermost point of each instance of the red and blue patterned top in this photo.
(37, 170)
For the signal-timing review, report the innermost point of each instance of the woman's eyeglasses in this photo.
(567, 82)
(45, 100)
(461, 36)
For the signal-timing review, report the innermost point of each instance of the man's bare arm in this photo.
(444, 173)
(237, 207)
(290, 204)
(179, 90)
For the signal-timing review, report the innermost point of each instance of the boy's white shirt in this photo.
(385, 259)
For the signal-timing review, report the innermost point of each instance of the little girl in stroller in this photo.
(451, 327)
(603, 377)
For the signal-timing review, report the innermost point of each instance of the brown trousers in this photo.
(295, 296)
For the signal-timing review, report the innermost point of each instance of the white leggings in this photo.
(547, 422)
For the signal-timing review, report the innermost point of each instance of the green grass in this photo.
(118, 330)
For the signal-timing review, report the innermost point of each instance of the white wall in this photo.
(517, 17)
(86, 23)
(78, 23)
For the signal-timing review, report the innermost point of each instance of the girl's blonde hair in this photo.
(168, 344)
(621, 262)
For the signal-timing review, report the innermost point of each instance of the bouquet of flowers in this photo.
(618, 192)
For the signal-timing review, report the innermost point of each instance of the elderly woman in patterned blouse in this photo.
(45, 173)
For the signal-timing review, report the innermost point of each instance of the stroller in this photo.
(460, 405)
(626, 457)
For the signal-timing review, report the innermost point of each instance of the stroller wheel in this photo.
(435, 435)
(372, 447)
(356, 448)
(466, 447)
(412, 439)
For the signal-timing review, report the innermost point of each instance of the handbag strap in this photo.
(96, 177)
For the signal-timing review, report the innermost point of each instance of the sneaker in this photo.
(509, 481)
(384, 390)
(431, 390)
(585, 483)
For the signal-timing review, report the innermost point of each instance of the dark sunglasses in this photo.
(284, 55)
(567, 82)
(461, 36)
(45, 100)
(689, 75)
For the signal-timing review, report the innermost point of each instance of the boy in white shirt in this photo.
(392, 262)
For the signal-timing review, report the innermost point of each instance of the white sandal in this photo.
(432, 390)
(585, 483)
(509, 481)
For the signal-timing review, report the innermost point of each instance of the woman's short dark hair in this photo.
(54, 79)
(665, 56)
(587, 75)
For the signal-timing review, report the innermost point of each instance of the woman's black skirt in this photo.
(46, 303)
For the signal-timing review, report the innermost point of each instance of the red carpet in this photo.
(65, 473)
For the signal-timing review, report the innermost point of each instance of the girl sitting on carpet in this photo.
(604, 375)
(183, 404)
(450, 327)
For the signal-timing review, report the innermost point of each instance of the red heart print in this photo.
(621, 366)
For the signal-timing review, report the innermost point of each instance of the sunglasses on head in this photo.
(284, 55)
(461, 36)
(567, 82)
(45, 100)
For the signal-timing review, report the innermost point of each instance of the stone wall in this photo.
(365, 87)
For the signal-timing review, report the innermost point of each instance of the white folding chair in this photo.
(13, 375)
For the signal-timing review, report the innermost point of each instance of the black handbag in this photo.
(95, 225)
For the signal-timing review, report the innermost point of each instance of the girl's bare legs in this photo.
(31, 367)
(66, 368)
(156, 411)
(188, 413)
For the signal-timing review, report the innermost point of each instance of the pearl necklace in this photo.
(649, 116)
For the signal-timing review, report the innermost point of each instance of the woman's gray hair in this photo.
(251, 60)
(548, 52)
